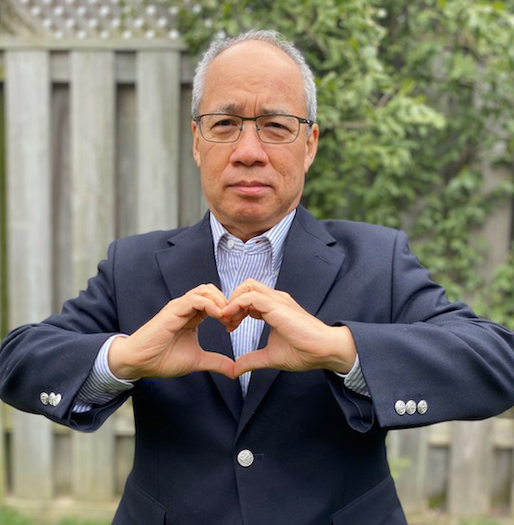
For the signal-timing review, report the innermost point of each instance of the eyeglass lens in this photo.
(271, 128)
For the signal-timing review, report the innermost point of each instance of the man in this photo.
(353, 337)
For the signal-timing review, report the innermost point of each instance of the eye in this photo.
(275, 124)
(223, 122)
(278, 128)
(220, 127)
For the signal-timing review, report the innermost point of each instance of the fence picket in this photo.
(93, 227)
(471, 461)
(408, 451)
(29, 244)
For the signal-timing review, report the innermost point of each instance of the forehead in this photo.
(253, 77)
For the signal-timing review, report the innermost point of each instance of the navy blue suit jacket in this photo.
(319, 448)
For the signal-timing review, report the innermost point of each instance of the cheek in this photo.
(211, 172)
(210, 162)
(292, 169)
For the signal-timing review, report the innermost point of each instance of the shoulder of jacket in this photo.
(137, 248)
(343, 229)
(150, 239)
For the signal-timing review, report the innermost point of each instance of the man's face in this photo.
(250, 185)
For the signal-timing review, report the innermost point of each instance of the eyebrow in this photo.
(228, 108)
(235, 109)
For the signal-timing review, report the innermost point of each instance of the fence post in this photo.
(471, 462)
(29, 245)
(409, 455)
(93, 227)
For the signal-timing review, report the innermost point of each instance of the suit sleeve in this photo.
(58, 354)
(436, 358)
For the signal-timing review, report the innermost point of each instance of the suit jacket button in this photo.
(422, 407)
(43, 397)
(245, 458)
(400, 407)
(410, 407)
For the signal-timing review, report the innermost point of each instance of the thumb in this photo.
(219, 363)
(252, 361)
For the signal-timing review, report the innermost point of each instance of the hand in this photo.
(298, 341)
(167, 345)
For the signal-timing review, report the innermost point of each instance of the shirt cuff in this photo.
(102, 386)
(354, 379)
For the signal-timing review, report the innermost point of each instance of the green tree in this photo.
(415, 99)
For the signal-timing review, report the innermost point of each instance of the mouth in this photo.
(250, 188)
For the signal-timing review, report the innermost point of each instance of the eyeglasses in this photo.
(271, 129)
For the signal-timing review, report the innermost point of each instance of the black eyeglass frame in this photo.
(300, 120)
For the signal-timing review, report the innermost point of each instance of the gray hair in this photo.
(271, 37)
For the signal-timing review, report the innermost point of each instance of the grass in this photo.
(11, 517)
(446, 520)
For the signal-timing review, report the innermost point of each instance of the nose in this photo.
(249, 150)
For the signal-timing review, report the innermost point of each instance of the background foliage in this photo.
(416, 104)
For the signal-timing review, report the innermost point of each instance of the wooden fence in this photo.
(98, 146)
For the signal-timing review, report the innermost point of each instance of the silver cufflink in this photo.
(52, 399)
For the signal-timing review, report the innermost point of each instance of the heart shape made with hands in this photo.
(168, 346)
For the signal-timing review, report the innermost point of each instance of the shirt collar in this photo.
(276, 237)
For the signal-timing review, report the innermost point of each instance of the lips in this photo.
(250, 188)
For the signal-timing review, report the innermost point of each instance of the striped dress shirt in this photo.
(259, 258)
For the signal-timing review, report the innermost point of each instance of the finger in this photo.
(219, 363)
(253, 303)
(252, 361)
(179, 312)
(231, 323)
(234, 312)
(207, 305)
(212, 292)
(249, 285)
(277, 295)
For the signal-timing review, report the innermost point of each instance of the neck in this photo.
(245, 234)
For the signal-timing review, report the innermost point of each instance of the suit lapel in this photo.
(187, 263)
(309, 267)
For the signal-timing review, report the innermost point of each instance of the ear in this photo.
(311, 147)
(196, 140)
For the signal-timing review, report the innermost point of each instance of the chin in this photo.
(251, 217)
